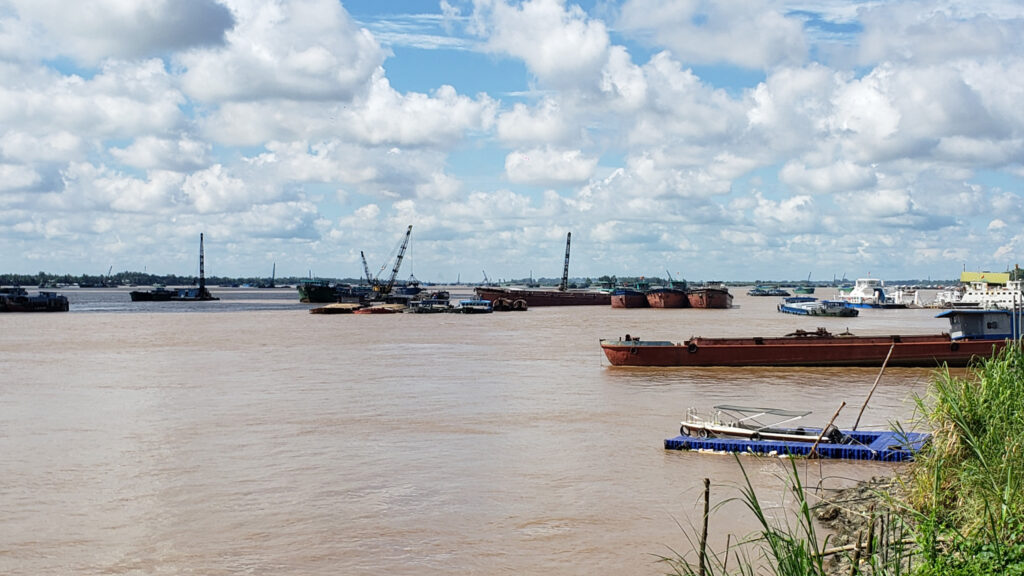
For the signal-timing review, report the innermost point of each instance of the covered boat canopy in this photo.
(763, 411)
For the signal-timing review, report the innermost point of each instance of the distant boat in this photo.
(868, 293)
(767, 291)
(629, 298)
(709, 296)
(559, 297)
(474, 306)
(667, 297)
(973, 333)
(197, 294)
(17, 299)
(157, 294)
(810, 306)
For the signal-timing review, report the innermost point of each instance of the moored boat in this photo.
(17, 299)
(534, 297)
(767, 291)
(709, 296)
(667, 297)
(474, 306)
(810, 306)
(562, 296)
(869, 293)
(752, 423)
(972, 333)
(159, 293)
(630, 296)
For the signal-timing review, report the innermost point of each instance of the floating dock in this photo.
(879, 446)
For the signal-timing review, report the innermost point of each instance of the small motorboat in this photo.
(754, 423)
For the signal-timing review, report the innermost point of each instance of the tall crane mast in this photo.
(565, 270)
(366, 269)
(386, 288)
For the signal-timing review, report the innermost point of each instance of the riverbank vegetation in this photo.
(957, 510)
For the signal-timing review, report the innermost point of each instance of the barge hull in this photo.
(546, 297)
(909, 351)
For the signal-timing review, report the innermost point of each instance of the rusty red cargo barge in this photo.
(973, 333)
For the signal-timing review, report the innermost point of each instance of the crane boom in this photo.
(366, 269)
(386, 288)
(565, 270)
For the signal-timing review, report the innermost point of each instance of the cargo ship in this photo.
(629, 298)
(667, 297)
(561, 296)
(709, 296)
(972, 333)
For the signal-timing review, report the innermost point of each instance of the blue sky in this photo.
(737, 141)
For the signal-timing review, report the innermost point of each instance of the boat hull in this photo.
(546, 297)
(629, 299)
(909, 351)
(709, 298)
(667, 298)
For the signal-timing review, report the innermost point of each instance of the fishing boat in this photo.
(17, 299)
(810, 306)
(752, 423)
(562, 296)
(973, 333)
(709, 296)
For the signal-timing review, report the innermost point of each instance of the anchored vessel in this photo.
(560, 297)
(811, 306)
(17, 299)
(197, 294)
(972, 333)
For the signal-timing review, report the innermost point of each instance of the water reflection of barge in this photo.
(973, 333)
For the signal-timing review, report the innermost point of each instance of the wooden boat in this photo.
(380, 309)
(709, 297)
(749, 423)
(810, 306)
(972, 333)
(667, 297)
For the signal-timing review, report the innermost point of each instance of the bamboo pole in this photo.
(704, 532)
(814, 449)
(875, 385)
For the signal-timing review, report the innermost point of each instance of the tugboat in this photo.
(17, 299)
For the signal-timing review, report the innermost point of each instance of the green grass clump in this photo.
(967, 495)
(963, 514)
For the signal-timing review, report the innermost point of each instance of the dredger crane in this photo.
(565, 270)
(385, 288)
